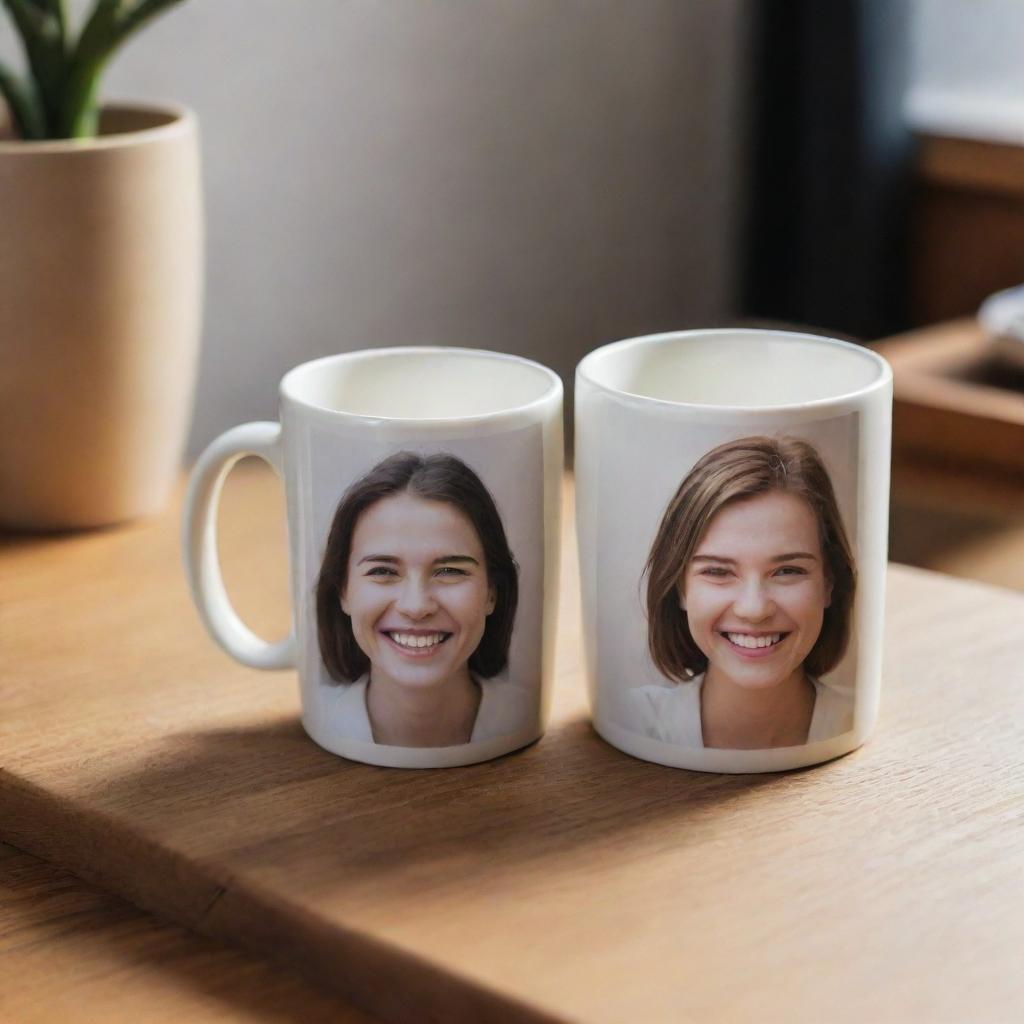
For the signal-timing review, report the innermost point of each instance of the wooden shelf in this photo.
(972, 164)
(956, 404)
(966, 225)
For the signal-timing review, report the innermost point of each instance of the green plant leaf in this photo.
(30, 17)
(24, 107)
(111, 22)
(59, 10)
(78, 114)
(65, 74)
(43, 39)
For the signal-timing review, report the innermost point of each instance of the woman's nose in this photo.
(415, 600)
(753, 602)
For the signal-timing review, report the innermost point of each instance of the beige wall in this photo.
(537, 176)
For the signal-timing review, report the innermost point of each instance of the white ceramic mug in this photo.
(424, 493)
(732, 515)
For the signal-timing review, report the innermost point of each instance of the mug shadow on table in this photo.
(241, 814)
(267, 795)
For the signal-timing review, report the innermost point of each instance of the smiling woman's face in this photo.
(755, 591)
(417, 590)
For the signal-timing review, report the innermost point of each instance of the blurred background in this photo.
(542, 178)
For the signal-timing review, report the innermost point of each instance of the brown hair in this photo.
(435, 478)
(727, 474)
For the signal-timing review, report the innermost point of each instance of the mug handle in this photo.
(199, 544)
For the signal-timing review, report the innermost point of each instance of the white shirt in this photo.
(672, 713)
(505, 708)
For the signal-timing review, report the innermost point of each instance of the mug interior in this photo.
(420, 383)
(735, 368)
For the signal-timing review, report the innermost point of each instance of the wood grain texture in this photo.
(564, 882)
(69, 952)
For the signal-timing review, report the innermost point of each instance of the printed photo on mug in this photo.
(416, 606)
(422, 639)
(733, 583)
(749, 588)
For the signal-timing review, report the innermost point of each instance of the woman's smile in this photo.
(415, 643)
(755, 645)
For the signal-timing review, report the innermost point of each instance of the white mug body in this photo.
(703, 648)
(448, 463)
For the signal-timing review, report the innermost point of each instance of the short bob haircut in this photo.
(732, 473)
(435, 478)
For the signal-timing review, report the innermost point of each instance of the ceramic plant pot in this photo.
(100, 295)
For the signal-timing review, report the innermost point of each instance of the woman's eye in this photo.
(714, 571)
(790, 570)
(382, 570)
(451, 571)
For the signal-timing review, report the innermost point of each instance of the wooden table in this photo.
(70, 952)
(565, 882)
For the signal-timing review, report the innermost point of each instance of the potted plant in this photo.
(100, 278)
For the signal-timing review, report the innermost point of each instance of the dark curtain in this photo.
(828, 177)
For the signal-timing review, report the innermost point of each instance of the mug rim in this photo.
(553, 390)
(585, 369)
